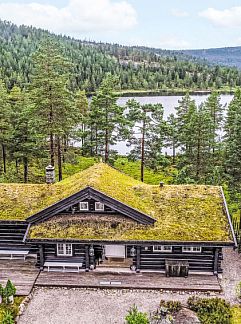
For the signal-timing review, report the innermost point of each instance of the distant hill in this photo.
(229, 56)
(137, 68)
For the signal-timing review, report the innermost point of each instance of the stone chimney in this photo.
(50, 174)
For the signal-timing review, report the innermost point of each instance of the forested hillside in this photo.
(137, 68)
(230, 56)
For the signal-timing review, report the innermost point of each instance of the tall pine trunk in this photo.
(143, 150)
(51, 148)
(106, 146)
(173, 152)
(25, 169)
(4, 158)
(59, 152)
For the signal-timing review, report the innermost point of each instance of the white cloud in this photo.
(179, 13)
(76, 17)
(172, 42)
(223, 18)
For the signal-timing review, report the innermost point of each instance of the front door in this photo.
(115, 251)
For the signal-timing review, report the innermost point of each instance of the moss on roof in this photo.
(183, 212)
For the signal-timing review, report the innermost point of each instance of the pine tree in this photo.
(106, 118)
(171, 137)
(53, 102)
(233, 142)
(5, 126)
(147, 135)
(82, 107)
(25, 141)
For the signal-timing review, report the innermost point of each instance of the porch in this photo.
(22, 273)
(130, 280)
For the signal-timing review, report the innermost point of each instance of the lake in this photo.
(169, 103)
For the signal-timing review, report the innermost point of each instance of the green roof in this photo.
(182, 212)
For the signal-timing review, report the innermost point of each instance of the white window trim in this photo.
(192, 249)
(64, 249)
(99, 209)
(85, 202)
(161, 248)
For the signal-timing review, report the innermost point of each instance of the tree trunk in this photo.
(52, 149)
(143, 150)
(198, 155)
(16, 165)
(96, 141)
(59, 150)
(25, 169)
(106, 146)
(173, 152)
(4, 158)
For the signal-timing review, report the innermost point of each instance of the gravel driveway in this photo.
(93, 306)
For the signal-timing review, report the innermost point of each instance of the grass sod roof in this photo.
(182, 212)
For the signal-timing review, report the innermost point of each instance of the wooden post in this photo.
(87, 258)
(215, 266)
(138, 259)
(41, 257)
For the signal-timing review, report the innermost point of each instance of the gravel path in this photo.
(93, 306)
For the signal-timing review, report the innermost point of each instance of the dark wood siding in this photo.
(50, 253)
(155, 260)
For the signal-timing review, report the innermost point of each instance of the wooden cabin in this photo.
(101, 218)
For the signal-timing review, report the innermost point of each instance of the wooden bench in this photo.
(63, 264)
(13, 253)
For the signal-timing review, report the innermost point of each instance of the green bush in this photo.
(136, 317)
(172, 306)
(8, 291)
(211, 310)
(7, 318)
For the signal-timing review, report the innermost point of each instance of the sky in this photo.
(167, 24)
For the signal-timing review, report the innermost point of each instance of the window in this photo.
(64, 249)
(190, 249)
(84, 205)
(162, 248)
(99, 206)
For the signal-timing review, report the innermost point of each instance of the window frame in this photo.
(162, 248)
(84, 209)
(192, 249)
(97, 209)
(64, 249)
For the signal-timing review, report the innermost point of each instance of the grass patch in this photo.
(165, 175)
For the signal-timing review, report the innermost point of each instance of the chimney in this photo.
(161, 184)
(50, 174)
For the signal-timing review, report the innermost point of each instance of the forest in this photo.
(43, 114)
(137, 68)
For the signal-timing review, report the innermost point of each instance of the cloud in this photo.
(76, 17)
(223, 18)
(179, 13)
(172, 42)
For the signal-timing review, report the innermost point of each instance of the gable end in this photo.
(89, 193)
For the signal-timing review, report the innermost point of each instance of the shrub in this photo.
(136, 317)
(9, 291)
(171, 306)
(7, 318)
(211, 310)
